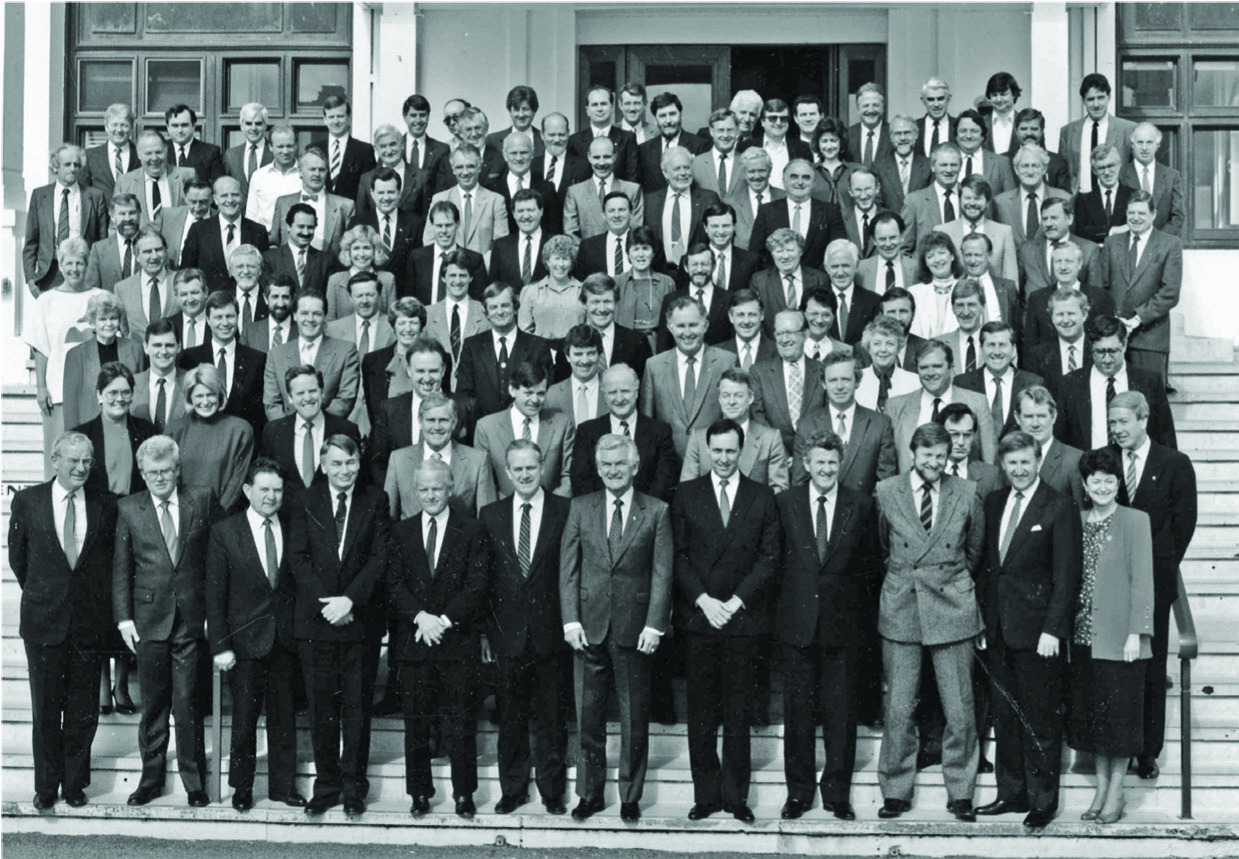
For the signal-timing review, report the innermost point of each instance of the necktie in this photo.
(624, 427)
(454, 332)
(1131, 477)
(181, 157)
(231, 237)
(1092, 144)
(161, 404)
(341, 515)
(1145, 183)
(602, 194)
(70, 532)
(301, 267)
(791, 291)
(582, 405)
(842, 313)
(747, 360)
(972, 227)
(618, 257)
(677, 233)
(336, 159)
(905, 173)
(118, 163)
(273, 564)
(1012, 523)
(523, 548)
(760, 199)
(432, 537)
(796, 219)
(934, 139)
(937, 405)
(823, 529)
(795, 392)
(1109, 207)
(868, 156)
(62, 227)
(126, 268)
(948, 210)
(503, 363)
(527, 261)
(169, 529)
(154, 305)
(1109, 390)
(970, 356)
(720, 271)
(252, 164)
(307, 454)
(967, 167)
(722, 174)
(690, 382)
(550, 171)
(415, 153)
(363, 343)
(387, 233)
(841, 427)
(441, 286)
(247, 314)
(995, 406)
(1133, 256)
(191, 335)
(955, 470)
(277, 333)
(865, 238)
(890, 274)
(1072, 363)
(817, 351)
(724, 508)
(222, 366)
(884, 388)
(527, 430)
(701, 296)
(617, 529)
(466, 217)
(1031, 222)
(156, 200)
(927, 508)
(520, 183)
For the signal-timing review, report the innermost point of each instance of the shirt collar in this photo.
(918, 482)
(535, 501)
(831, 497)
(732, 482)
(255, 518)
(626, 498)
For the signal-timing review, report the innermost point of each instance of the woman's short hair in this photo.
(208, 376)
(560, 246)
(110, 372)
(1102, 460)
(642, 235)
(107, 305)
(74, 247)
(367, 233)
(408, 308)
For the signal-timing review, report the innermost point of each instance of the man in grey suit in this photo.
(775, 391)
(889, 267)
(473, 485)
(1078, 138)
(932, 531)
(583, 204)
(1163, 182)
(1035, 414)
(971, 130)
(937, 204)
(114, 257)
(162, 349)
(484, 215)
(617, 546)
(717, 169)
(148, 294)
(528, 418)
(155, 184)
(244, 159)
(335, 359)
(59, 211)
(579, 397)
(975, 194)
(762, 457)
(1036, 269)
(1020, 207)
(756, 191)
(333, 212)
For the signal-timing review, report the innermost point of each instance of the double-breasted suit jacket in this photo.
(868, 456)
(556, 432)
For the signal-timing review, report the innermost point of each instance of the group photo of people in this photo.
(778, 421)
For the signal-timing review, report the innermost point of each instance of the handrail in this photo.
(216, 775)
(1189, 649)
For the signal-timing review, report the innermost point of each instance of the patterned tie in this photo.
(527, 430)
(1012, 524)
(70, 532)
(301, 267)
(1031, 222)
(867, 159)
(247, 314)
(503, 363)
(722, 174)
(62, 226)
(865, 238)
(466, 218)
(336, 160)
(523, 548)
(527, 261)
(761, 198)
(890, 274)
(791, 291)
(252, 164)
(126, 268)
(1109, 391)
(432, 538)
(720, 272)
(550, 171)
(454, 338)
(948, 210)
(277, 333)
(884, 388)
(624, 427)
(822, 526)
(724, 508)
(795, 392)
(387, 233)
(970, 356)
(1132, 480)
(1133, 256)
(747, 360)
(927, 508)
(1072, 363)
(169, 529)
(690, 382)
(363, 343)
(307, 454)
(1092, 144)
(618, 259)
(119, 164)
(842, 313)
(995, 406)
(273, 564)
(341, 516)
(841, 427)
(1145, 183)
(905, 173)
(617, 529)
(154, 305)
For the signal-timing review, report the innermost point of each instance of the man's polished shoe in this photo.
(630, 812)
(1002, 806)
(319, 805)
(841, 810)
(509, 804)
(742, 813)
(701, 812)
(963, 810)
(555, 806)
(465, 807)
(44, 801)
(354, 806)
(793, 809)
(1147, 767)
(586, 809)
(894, 807)
(198, 799)
(421, 805)
(1039, 818)
(243, 800)
(293, 799)
(75, 798)
(143, 795)
(984, 765)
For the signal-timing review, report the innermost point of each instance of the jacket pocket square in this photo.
(1035, 528)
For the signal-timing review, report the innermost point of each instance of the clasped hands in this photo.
(430, 628)
(718, 612)
(337, 611)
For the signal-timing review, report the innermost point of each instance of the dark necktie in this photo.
(841, 314)
(970, 355)
(527, 261)
(62, 230)
(523, 549)
(1109, 391)
(937, 404)
(432, 537)
(154, 305)
(617, 529)
(415, 154)
(1131, 479)
(503, 363)
(222, 366)
(927, 508)
(1012, 523)
(273, 565)
(722, 174)
(624, 427)
(161, 404)
(181, 157)
(884, 388)
(231, 237)
(454, 333)
(822, 525)
(995, 406)
(126, 268)
(527, 430)
(948, 209)
(441, 287)
(70, 532)
(341, 515)
(1072, 363)
(118, 164)
(867, 159)
(156, 200)
(967, 167)
(1092, 144)
(1109, 206)
(466, 217)
(676, 233)
(550, 171)
(602, 194)
(619, 256)
(307, 454)
(252, 164)
(865, 238)
(1133, 257)
(890, 274)
(934, 139)
(247, 314)
(301, 267)
(790, 298)
(1031, 222)
(724, 506)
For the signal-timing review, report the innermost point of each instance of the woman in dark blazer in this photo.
(111, 342)
(1112, 634)
(385, 372)
(115, 435)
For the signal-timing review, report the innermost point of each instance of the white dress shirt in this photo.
(421, 151)
(778, 159)
(554, 176)
(59, 511)
(165, 191)
(536, 502)
(754, 205)
(608, 342)
(308, 349)
(754, 346)
(925, 415)
(927, 133)
(1142, 459)
(732, 483)
(940, 196)
(686, 210)
(797, 283)
(1086, 148)
(1064, 349)
(592, 391)
(518, 419)
(259, 532)
(1002, 125)
(612, 241)
(444, 454)
(75, 209)
(267, 185)
(496, 339)
(849, 416)
(373, 332)
(200, 329)
(1097, 403)
(618, 429)
(805, 208)
(223, 235)
(626, 508)
(319, 204)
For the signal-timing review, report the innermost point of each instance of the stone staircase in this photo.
(1206, 411)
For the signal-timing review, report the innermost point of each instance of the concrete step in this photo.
(1188, 410)
(1207, 384)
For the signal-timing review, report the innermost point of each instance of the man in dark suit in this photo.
(819, 223)
(1162, 482)
(784, 285)
(400, 229)
(211, 241)
(426, 159)
(517, 257)
(110, 160)
(56, 212)
(347, 157)
(659, 468)
(726, 535)
(243, 368)
(620, 345)
(1042, 305)
(668, 113)
(158, 578)
(1103, 208)
(1027, 592)
(487, 358)
(557, 164)
(854, 305)
(600, 107)
(937, 125)
(750, 347)
(733, 266)
(999, 379)
(517, 176)
(870, 138)
(423, 275)
(830, 561)
(244, 159)
(905, 168)
(525, 634)
(60, 551)
(676, 212)
(308, 266)
(1164, 183)
(277, 326)
(778, 401)
(522, 106)
(436, 578)
(1034, 414)
(775, 121)
(338, 544)
(397, 419)
(1033, 257)
(250, 597)
(184, 150)
(616, 544)
(389, 153)
(1069, 310)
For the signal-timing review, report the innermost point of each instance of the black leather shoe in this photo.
(701, 812)
(198, 799)
(586, 809)
(630, 812)
(1039, 818)
(841, 810)
(293, 799)
(75, 798)
(1147, 767)
(421, 805)
(243, 800)
(319, 805)
(354, 806)
(1002, 806)
(44, 801)
(892, 808)
(124, 704)
(555, 806)
(743, 813)
(388, 707)
(963, 810)
(984, 765)
(143, 795)
(509, 804)
(465, 807)
(793, 809)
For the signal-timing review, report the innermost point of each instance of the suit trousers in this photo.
(720, 683)
(168, 673)
(897, 759)
(1149, 361)
(813, 676)
(374, 616)
(1155, 682)
(531, 688)
(64, 705)
(270, 679)
(1028, 724)
(631, 670)
(439, 692)
(333, 684)
(868, 669)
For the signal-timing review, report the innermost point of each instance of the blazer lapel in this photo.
(93, 511)
(860, 425)
(1028, 518)
(631, 522)
(185, 505)
(842, 519)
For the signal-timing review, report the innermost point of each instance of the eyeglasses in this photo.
(161, 474)
(117, 396)
(779, 120)
(1106, 352)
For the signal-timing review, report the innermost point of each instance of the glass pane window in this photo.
(1215, 187)
(170, 82)
(1215, 83)
(213, 17)
(253, 82)
(1149, 83)
(316, 82)
(104, 82)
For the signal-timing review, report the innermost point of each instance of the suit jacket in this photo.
(699, 199)
(928, 596)
(506, 258)
(591, 258)
(865, 306)
(204, 159)
(356, 159)
(175, 233)
(321, 569)
(921, 214)
(996, 170)
(481, 383)
(1124, 591)
(1060, 471)
(39, 250)
(975, 381)
(439, 327)
(650, 158)
(246, 613)
(705, 172)
(149, 587)
(259, 334)
(235, 158)
(825, 225)
(524, 608)
(61, 603)
(406, 238)
(627, 347)
(659, 469)
(245, 397)
(772, 290)
(104, 266)
(661, 395)
(139, 430)
(489, 220)
(583, 210)
(1091, 221)
(419, 275)
(762, 459)
(279, 260)
(552, 210)
(433, 175)
(473, 486)
(856, 142)
(626, 164)
(97, 173)
(1071, 135)
(1168, 213)
(868, 457)
(745, 216)
(1039, 327)
(345, 329)
(204, 249)
(338, 211)
(1002, 260)
(142, 405)
(871, 273)
(493, 434)
(495, 139)
(770, 403)
(408, 201)
(336, 360)
(1150, 291)
(904, 412)
(819, 599)
(560, 398)
(1031, 590)
(575, 169)
(1075, 412)
(744, 264)
(738, 558)
(920, 175)
(1035, 273)
(1009, 209)
(632, 589)
(279, 442)
(1167, 493)
(134, 182)
(133, 294)
(81, 371)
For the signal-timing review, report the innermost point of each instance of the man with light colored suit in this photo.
(583, 203)
(527, 417)
(1163, 182)
(483, 216)
(332, 212)
(335, 359)
(889, 267)
(1020, 207)
(789, 379)
(148, 295)
(368, 331)
(932, 532)
(1035, 414)
(676, 212)
(473, 485)
(756, 191)
(1078, 138)
(64, 209)
(762, 457)
(278, 326)
(975, 195)
(114, 257)
(1036, 269)
(936, 204)
(579, 397)
(155, 184)
(905, 168)
(717, 170)
(969, 308)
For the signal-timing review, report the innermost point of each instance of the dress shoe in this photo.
(124, 704)
(1002, 806)
(198, 799)
(291, 798)
(742, 813)
(143, 795)
(984, 765)
(1039, 818)
(700, 811)
(389, 706)
(105, 705)
(841, 810)
(1114, 816)
(465, 807)
(630, 812)
(319, 804)
(555, 806)
(963, 810)
(421, 805)
(243, 800)
(509, 804)
(793, 809)
(44, 801)
(894, 807)
(586, 809)
(1147, 768)
(75, 798)
(1091, 814)
(354, 806)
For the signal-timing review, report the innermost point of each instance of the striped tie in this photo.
(1132, 479)
(927, 508)
(336, 160)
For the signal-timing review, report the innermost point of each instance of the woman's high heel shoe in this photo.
(1115, 816)
(105, 702)
(124, 704)
(1091, 814)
